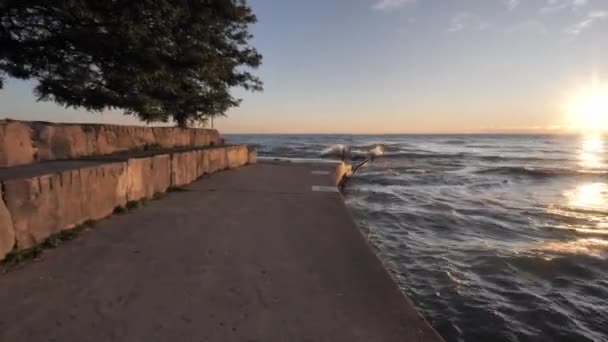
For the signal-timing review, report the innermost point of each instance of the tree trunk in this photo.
(182, 121)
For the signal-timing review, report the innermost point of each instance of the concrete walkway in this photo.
(247, 255)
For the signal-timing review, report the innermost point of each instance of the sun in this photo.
(588, 108)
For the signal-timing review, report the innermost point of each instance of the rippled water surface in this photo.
(495, 238)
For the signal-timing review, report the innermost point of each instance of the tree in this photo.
(160, 60)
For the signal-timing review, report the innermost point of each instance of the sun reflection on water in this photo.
(589, 196)
(592, 247)
(591, 155)
(593, 195)
(585, 207)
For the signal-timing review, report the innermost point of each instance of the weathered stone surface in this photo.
(15, 143)
(236, 156)
(106, 186)
(217, 159)
(112, 139)
(148, 176)
(171, 137)
(28, 142)
(7, 231)
(61, 141)
(207, 137)
(184, 167)
(203, 163)
(42, 206)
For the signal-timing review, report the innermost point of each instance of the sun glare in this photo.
(588, 109)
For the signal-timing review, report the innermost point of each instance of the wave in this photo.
(538, 172)
(385, 147)
(495, 158)
(426, 155)
(455, 142)
(360, 152)
(491, 158)
(336, 150)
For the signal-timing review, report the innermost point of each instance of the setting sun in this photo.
(588, 108)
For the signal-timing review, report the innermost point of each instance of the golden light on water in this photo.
(591, 197)
(594, 247)
(586, 205)
(592, 150)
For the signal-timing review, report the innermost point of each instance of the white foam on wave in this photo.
(337, 150)
(333, 150)
(377, 151)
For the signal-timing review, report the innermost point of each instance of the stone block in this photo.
(204, 137)
(55, 142)
(184, 167)
(112, 139)
(106, 186)
(236, 156)
(170, 137)
(7, 230)
(203, 163)
(45, 205)
(148, 176)
(15, 144)
(217, 159)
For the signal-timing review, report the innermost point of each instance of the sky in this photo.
(405, 66)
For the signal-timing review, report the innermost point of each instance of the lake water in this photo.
(494, 238)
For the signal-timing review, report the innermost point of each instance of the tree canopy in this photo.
(160, 60)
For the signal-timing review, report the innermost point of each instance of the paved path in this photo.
(248, 255)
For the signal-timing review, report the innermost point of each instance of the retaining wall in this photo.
(32, 209)
(45, 205)
(24, 142)
(7, 230)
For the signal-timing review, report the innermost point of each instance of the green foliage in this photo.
(17, 257)
(176, 189)
(119, 210)
(132, 205)
(161, 60)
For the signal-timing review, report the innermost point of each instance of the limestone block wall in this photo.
(32, 209)
(45, 205)
(235, 155)
(16, 146)
(186, 167)
(217, 160)
(29, 142)
(7, 231)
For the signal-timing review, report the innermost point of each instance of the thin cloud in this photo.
(558, 5)
(512, 4)
(385, 5)
(588, 22)
(529, 26)
(467, 20)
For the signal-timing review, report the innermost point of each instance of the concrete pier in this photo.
(266, 252)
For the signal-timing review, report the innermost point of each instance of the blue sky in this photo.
(404, 66)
